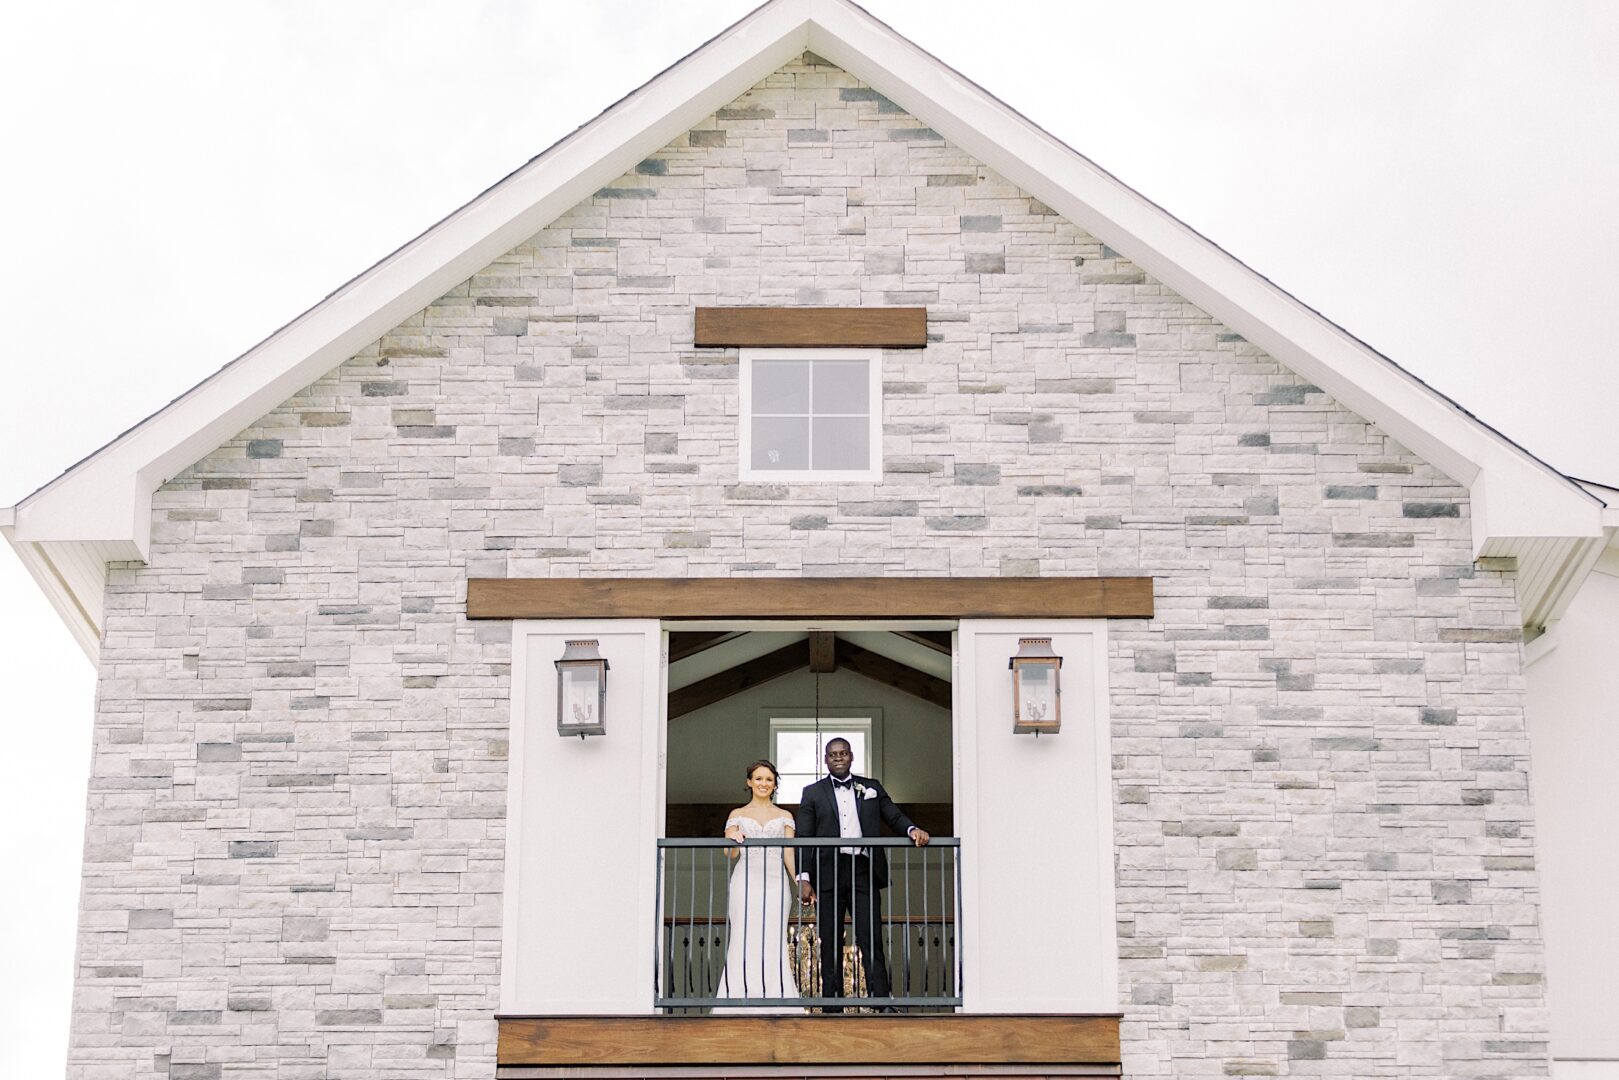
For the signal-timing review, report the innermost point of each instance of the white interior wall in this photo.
(1573, 712)
(709, 748)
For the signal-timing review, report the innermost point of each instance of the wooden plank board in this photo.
(808, 327)
(810, 598)
(809, 1040)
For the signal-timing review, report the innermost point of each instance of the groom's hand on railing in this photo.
(919, 837)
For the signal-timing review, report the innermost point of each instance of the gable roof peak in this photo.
(100, 509)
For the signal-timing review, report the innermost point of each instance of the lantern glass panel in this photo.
(1037, 693)
(581, 695)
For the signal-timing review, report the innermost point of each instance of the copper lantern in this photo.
(581, 690)
(1036, 690)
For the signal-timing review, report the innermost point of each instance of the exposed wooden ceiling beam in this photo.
(684, 643)
(937, 640)
(823, 652)
(742, 677)
(906, 680)
(791, 658)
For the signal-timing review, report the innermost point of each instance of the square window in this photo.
(811, 415)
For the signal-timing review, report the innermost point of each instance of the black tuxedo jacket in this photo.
(818, 816)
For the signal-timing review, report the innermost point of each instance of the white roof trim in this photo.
(107, 497)
(60, 591)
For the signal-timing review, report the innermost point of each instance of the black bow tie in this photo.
(842, 783)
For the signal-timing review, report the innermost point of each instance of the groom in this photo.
(848, 880)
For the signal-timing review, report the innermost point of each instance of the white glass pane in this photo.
(781, 442)
(1037, 693)
(781, 386)
(792, 787)
(842, 386)
(842, 443)
(795, 752)
(580, 695)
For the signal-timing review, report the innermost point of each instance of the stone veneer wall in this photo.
(294, 850)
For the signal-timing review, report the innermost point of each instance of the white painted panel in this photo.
(1036, 823)
(1573, 713)
(1592, 1069)
(583, 816)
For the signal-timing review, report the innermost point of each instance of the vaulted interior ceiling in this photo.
(706, 667)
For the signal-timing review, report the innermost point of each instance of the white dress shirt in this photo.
(848, 815)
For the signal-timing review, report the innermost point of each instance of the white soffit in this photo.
(104, 502)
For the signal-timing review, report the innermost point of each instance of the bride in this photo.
(756, 960)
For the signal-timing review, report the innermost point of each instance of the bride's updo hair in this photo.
(764, 763)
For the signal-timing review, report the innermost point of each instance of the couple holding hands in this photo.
(838, 881)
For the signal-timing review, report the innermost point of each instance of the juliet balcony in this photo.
(736, 937)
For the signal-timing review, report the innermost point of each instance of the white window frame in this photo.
(867, 721)
(873, 473)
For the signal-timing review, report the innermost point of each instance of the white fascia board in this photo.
(108, 496)
(54, 585)
(1541, 502)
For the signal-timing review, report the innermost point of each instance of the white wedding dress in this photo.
(757, 964)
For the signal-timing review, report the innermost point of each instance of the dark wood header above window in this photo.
(807, 327)
(810, 598)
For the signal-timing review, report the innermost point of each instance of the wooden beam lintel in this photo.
(811, 598)
(811, 327)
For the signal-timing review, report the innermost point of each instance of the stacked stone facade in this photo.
(296, 818)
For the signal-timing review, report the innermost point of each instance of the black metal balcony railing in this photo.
(724, 908)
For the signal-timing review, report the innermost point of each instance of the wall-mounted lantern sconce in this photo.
(1036, 693)
(581, 690)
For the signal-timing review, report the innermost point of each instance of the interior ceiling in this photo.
(706, 667)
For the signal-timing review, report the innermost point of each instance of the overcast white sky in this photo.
(182, 178)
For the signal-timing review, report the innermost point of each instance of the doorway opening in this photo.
(741, 693)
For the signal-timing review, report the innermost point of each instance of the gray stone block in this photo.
(1351, 491)
(579, 475)
(1431, 510)
(264, 448)
(880, 508)
(347, 1017)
